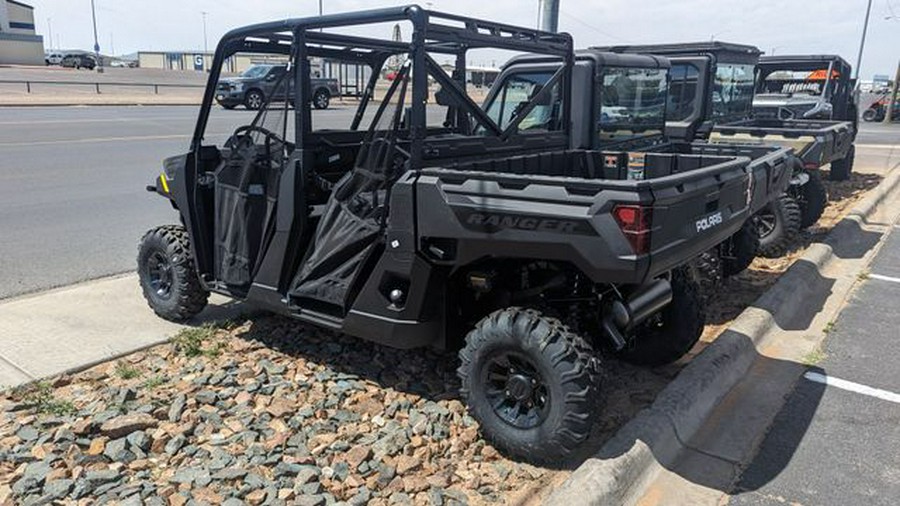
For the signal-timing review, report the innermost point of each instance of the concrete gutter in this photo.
(658, 435)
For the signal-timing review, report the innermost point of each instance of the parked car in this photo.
(79, 61)
(123, 63)
(53, 58)
(258, 84)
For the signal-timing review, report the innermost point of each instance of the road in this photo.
(848, 453)
(72, 198)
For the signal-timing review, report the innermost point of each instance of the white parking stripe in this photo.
(885, 278)
(878, 146)
(853, 387)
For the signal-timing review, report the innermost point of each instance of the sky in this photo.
(779, 26)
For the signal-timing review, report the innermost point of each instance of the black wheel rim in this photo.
(160, 275)
(516, 391)
(322, 100)
(765, 223)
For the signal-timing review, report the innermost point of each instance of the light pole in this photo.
(96, 40)
(862, 42)
(50, 32)
(205, 45)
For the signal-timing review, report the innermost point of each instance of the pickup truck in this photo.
(259, 83)
(485, 233)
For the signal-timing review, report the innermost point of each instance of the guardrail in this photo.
(156, 86)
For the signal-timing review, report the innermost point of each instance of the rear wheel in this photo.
(778, 225)
(812, 198)
(670, 334)
(531, 384)
(870, 115)
(253, 100)
(841, 169)
(167, 275)
(739, 250)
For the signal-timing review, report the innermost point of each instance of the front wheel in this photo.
(670, 334)
(739, 250)
(841, 169)
(321, 99)
(812, 198)
(778, 225)
(167, 275)
(531, 384)
(870, 115)
(254, 100)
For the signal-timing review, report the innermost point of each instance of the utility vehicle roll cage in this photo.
(432, 32)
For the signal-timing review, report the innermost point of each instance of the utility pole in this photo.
(862, 43)
(540, 9)
(50, 32)
(889, 116)
(550, 16)
(205, 44)
(96, 40)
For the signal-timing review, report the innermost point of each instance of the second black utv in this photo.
(425, 222)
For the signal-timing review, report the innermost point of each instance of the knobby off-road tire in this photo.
(666, 337)
(167, 275)
(841, 169)
(706, 270)
(778, 225)
(516, 357)
(812, 199)
(739, 250)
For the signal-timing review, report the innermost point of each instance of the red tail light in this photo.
(634, 221)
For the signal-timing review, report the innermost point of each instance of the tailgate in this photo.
(465, 216)
(771, 168)
(695, 211)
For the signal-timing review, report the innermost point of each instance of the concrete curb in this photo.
(628, 462)
(104, 104)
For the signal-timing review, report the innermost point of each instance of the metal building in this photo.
(19, 44)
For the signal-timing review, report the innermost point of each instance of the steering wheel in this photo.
(242, 137)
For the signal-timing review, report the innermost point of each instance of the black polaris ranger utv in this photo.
(626, 96)
(711, 98)
(413, 233)
(806, 87)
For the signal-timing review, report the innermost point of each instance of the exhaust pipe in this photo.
(645, 302)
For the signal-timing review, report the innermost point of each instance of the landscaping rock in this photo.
(126, 424)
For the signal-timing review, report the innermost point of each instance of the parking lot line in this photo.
(852, 387)
(878, 146)
(885, 278)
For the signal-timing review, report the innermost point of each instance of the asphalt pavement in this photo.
(73, 203)
(848, 452)
(72, 179)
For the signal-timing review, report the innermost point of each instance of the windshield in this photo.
(256, 71)
(733, 90)
(632, 97)
(789, 82)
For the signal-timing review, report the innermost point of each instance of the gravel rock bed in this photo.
(270, 412)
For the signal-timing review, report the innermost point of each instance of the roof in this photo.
(726, 51)
(601, 58)
(804, 58)
(20, 4)
(445, 33)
